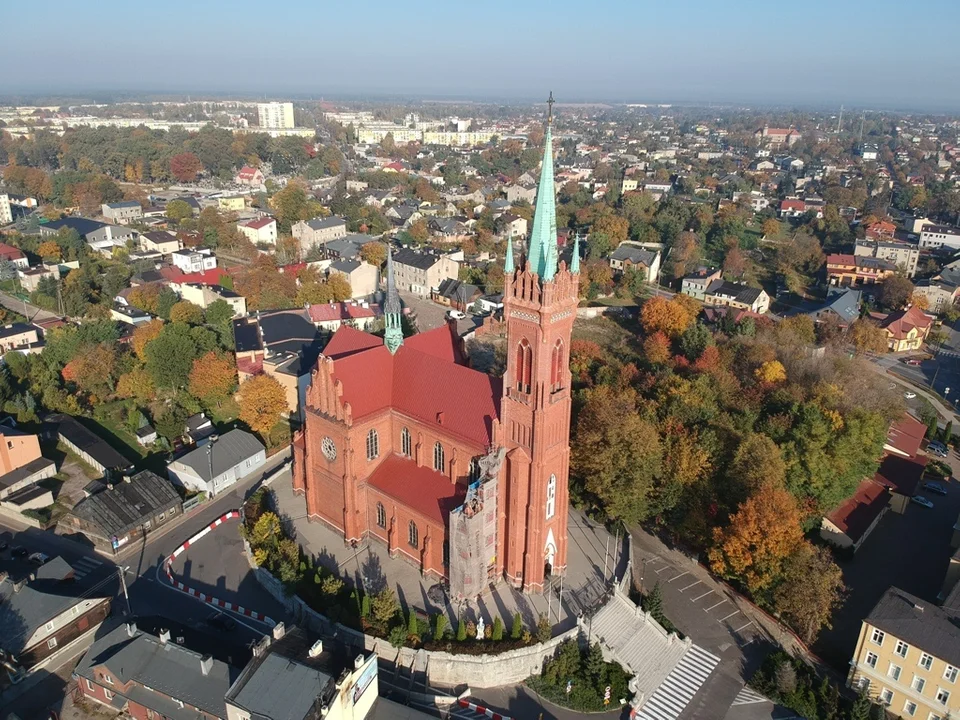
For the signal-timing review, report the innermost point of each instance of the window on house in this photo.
(406, 443)
(871, 659)
(89, 684)
(878, 636)
(894, 671)
(901, 648)
(918, 683)
(551, 496)
(48, 627)
(413, 535)
(438, 457)
(474, 468)
(52, 643)
(950, 674)
(886, 696)
(556, 367)
(381, 515)
(108, 680)
(162, 515)
(373, 445)
(910, 708)
(863, 683)
(943, 696)
(147, 524)
(926, 661)
(107, 694)
(934, 716)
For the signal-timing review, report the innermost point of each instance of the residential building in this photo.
(205, 295)
(275, 115)
(124, 511)
(881, 230)
(628, 256)
(17, 449)
(905, 436)
(231, 203)
(318, 232)
(30, 278)
(14, 255)
(842, 307)
(194, 261)
(124, 312)
(161, 241)
(249, 176)
(737, 295)
(42, 612)
(777, 136)
(19, 336)
(347, 247)
(518, 193)
(857, 270)
(936, 236)
(220, 463)
(907, 657)
(363, 277)
(330, 316)
(942, 290)
(198, 429)
(6, 214)
(906, 329)
(21, 465)
(421, 272)
(512, 226)
(261, 230)
(792, 208)
(695, 285)
(903, 255)
(756, 199)
(456, 294)
(122, 213)
(91, 448)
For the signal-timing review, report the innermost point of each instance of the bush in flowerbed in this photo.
(588, 676)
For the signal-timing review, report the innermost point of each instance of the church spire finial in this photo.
(392, 310)
(550, 102)
(508, 266)
(542, 254)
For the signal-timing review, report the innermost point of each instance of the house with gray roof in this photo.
(842, 307)
(220, 463)
(318, 232)
(91, 448)
(121, 512)
(634, 257)
(122, 212)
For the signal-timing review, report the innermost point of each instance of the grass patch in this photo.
(70, 456)
(226, 412)
(113, 417)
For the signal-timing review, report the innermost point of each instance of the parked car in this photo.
(38, 558)
(935, 487)
(909, 395)
(911, 361)
(18, 551)
(220, 621)
(921, 500)
(938, 448)
(456, 315)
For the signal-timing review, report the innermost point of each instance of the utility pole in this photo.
(123, 584)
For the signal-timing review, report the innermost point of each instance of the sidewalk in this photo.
(881, 366)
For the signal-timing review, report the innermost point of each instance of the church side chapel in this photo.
(463, 474)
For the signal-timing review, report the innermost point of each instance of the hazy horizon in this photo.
(822, 54)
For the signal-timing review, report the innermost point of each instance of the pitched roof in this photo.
(327, 222)
(339, 311)
(130, 502)
(900, 323)
(123, 204)
(858, 512)
(215, 458)
(738, 291)
(901, 475)
(261, 223)
(845, 304)
(906, 435)
(415, 258)
(82, 437)
(421, 488)
(919, 623)
(83, 226)
(247, 172)
(9, 252)
(246, 335)
(348, 340)
(634, 254)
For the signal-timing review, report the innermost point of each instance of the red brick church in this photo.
(403, 440)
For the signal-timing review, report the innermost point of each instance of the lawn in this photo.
(618, 334)
(112, 416)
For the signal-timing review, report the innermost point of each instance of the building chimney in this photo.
(164, 636)
(279, 631)
(126, 479)
(315, 649)
(206, 664)
(358, 662)
(131, 629)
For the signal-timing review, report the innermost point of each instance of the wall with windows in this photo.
(63, 629)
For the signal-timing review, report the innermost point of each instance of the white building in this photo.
(934, 236)
(262, 230)
(196, 260)
(220, 463)
(275, 115)
(6, 216)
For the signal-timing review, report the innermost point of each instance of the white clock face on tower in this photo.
(328, 448)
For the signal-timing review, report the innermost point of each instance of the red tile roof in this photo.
(901, 475)
(348, 340)
(441, 342)
(9, 252)
(841, 259)
(250, 366)
(340, 311)
(207, 277)
(857, 514)
(422, 489)
(793, 205)
(247, 172)
(261, 223)
(906, 435)
(900, 323)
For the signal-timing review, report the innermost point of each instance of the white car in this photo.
(909, 395)
(921, 500)
(456, 315)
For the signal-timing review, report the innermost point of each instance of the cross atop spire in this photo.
(392, 310)
(550, 102)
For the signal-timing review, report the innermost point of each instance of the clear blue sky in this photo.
(881, 53)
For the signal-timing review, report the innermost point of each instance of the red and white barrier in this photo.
(481, 710)
(209, 599)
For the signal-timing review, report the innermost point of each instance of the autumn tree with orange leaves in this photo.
(143, 335)
(213, 377)
(671, 317)
(262, 402)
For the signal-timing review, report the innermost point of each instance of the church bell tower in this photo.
(539, 304)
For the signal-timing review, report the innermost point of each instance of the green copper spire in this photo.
(508, 261)
(392, 311)
(542, 255)
(575, 260)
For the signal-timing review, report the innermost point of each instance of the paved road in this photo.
(32, 312)
(430, 315)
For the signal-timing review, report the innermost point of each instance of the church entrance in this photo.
(548, 558)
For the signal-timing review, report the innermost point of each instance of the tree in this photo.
(186, 312)
(756, 462)
(771, 373)
(179, 210)
(419, 231)
(262, 401)
(948, 432)
(143, 335)
(291, 205)
(671, 317)
(653, 603)
(374, 253)
(657, 348)
(339, 287)
(810, 590)
(497, 632)
(786, 678)
(219, 312)
(92, 369)
(212, 377)
(516, 629)
(771, 228)
(440, 627)
(185, 167)
(867, 337)
(895, 292)
(413, 629)
(462, 630)
(384, 607)
(49, 250)
(861, 708)
(759, 537)
(169, 357)
(137, 384)
(694, 340)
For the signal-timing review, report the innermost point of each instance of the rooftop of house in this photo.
(737, 291)
(919, 623)
(340, 311)
(124, 506)
(123, 205)
(16, 328)
(906, 435)
(246, 335)
(845, 304)
(324, 223)
(88, 441)
(260, 223)
(218, 456)
(83, 226)
(857, 513)
(900, 323)
(634, 254)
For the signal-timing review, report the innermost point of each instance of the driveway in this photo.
(430, 315)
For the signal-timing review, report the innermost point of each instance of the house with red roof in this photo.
(906, 329)
(777, 136)
(249, 176)
(881, 230)
(905, 436)
(331, 316)
(261, 230)
(792, 208)
(13, 255)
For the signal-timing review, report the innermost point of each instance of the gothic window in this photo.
(381, 515)
(373, 445)
(413, 535)
(406, 443)
(551, 496)
(524, 366)
(474, 468)
(438, 457)
(556, 367)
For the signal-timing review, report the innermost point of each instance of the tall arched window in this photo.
(556, 367)
(551, 496)
(438, 457)
(373, 445)
(413, 535)
(381, 515)
(524, 366)
(406, 443)
(474, 468)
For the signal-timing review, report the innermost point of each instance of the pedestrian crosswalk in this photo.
(748, 697)
(669, 700)
(84, 566)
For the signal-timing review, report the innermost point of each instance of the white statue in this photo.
(480, 629)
